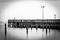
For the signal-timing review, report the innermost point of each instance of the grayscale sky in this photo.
(29, 9)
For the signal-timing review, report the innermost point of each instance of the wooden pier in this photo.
(38, 23)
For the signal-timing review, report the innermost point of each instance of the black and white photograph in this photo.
(29, 19)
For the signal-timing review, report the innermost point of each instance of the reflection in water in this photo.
(34, 34)
(46, 30)
(19, 33)
(39, 34)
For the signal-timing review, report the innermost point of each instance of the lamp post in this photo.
(43, 14)
(42, 11)
(54, 16)
(14, 22)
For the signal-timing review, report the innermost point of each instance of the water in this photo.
(21, 34)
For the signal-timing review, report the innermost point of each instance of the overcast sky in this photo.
(8, 6)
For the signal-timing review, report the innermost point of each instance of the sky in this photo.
(29, 9)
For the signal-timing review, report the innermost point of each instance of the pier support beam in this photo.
(46, 29)
(36, 28)
(27, 29)
(49, 28)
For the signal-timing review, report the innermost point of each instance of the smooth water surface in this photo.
(21, 34)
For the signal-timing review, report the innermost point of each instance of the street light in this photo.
(54, 16)
(42, 11)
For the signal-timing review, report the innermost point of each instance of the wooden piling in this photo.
(5, 31)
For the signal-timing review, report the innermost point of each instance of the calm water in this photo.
(20, 34)
(33, 34)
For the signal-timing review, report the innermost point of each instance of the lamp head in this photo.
(42, 6)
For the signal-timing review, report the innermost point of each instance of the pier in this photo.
(42, 24)
(46, 23)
